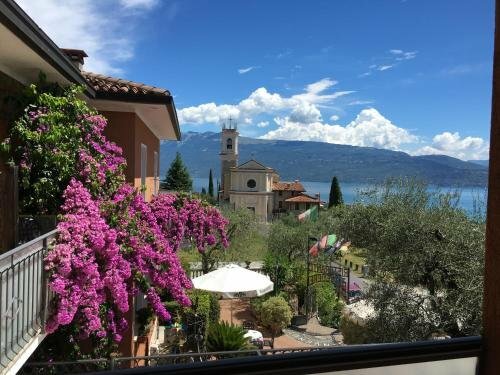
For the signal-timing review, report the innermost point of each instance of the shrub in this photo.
(226, 337)
(352, 332)
(214, 314)
(276, 314)
(328, 304)
(203, 313)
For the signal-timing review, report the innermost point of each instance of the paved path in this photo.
(241, 311)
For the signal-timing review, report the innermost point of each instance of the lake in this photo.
(350, 191)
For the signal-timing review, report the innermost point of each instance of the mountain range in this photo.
(319, 161)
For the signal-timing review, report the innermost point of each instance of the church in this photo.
(257, 187)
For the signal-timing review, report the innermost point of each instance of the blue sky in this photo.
(404, 75)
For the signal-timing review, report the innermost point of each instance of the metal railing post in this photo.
(44, 286)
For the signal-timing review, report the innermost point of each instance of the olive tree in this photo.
(426, 255)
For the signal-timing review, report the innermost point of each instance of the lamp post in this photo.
(309, 239)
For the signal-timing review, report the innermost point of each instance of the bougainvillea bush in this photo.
(112, 244)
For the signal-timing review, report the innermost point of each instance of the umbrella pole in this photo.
(231, 311)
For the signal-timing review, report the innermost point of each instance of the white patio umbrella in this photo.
(233, 281)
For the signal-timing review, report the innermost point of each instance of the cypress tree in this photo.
(210, 184)
(203, 191)
(177, 178)
(335, 193)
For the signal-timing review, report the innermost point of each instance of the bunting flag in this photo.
(314, 249)
(327, 241)
(310, 214)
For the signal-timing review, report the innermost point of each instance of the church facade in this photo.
(256, 187)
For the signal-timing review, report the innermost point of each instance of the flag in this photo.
(314, 249)
(310, 214)
(327, 241)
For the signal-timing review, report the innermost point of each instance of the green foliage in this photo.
(51, 144)
(211, 184)
(200, 316)
(276, 314)
(353, 333)
(246, 242)
(335, 193)
(214, 314)
(177, 177)
(427, 256)
(203, 191)
(328, 304)
(226, 337)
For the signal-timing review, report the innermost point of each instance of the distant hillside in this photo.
(317, 161)
(484, 163)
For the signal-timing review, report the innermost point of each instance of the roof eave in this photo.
(16, 20)
(165, 100)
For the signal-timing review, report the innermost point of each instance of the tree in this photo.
(276, 314)
(427, 256)
(335, 193)
(211, 184)
(177, 177)
(241, 232)
(203, 191)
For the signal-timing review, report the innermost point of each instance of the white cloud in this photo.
(303, 106)
(107, 35)
(147, 4)
(360, 102)
(451, 144)
(369, 129)
(384, 67)
(334, 118)
(246, 70)
(263, 124)
(394, 58)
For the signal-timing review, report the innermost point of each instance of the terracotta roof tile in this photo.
(288, 186)
(302, 198)
(110, 85)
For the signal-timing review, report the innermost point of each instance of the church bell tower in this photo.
(228, 155)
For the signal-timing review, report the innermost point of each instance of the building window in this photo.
(296, 206)
(156, 172)
(144, 164)
(308, 206)
(280, 193)
(280, 204)
(251, 209)
(251, 183)
(229, 144)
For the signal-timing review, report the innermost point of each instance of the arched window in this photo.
(229, 144)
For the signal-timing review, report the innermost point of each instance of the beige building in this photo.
(254, 186)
